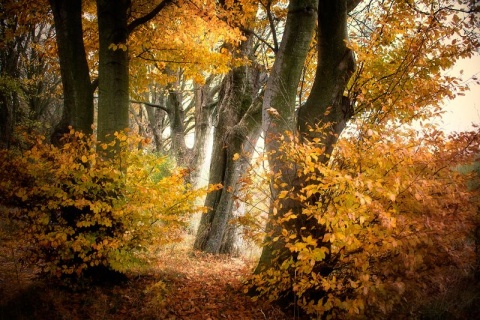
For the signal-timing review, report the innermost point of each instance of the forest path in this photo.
(182, 285)
(210, 287)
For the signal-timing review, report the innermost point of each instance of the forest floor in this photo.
(182, 285)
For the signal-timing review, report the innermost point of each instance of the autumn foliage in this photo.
(75, 209)
(385, 221)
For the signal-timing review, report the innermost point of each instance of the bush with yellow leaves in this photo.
(77, 207)
(387, 221)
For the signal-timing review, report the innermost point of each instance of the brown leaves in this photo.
(203, 286)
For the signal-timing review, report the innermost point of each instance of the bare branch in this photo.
(149, 16)
(272, 24)
(249, 31)
(149, 104)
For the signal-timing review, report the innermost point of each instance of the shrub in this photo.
(78, 208)
(388, 219)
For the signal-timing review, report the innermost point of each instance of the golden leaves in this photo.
(380, 215)
(87, 209)
(193, 37)
(402, 59)
(118, 46)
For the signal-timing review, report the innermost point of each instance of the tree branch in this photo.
(352, 4)
(249, 31)
(272, 24)
(153, 105)
(149, 16)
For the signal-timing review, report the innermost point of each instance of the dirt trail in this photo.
(207, 287)
(182, 285)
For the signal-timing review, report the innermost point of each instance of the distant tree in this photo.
(29, 77)
(77, 86)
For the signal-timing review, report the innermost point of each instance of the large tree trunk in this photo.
(279, 107)
(327, 103)
(334, 68)
(232, 241)
(113, 95)
(237, 124)
(77, 88)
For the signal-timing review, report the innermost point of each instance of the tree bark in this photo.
(176, 114)
(237, 124)
(113, 95)
(327, 103)
(204, 103)
(156, 123)
(279, 110)
(77, 88)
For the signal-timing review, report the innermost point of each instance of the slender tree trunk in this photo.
(10, 111)
(9, 72)
(237, 125)
(77, 88)
(177, 128)
(156, 122)
(9, 104)
(204, 102)
(113, 95)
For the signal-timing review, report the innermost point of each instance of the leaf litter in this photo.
(182, 285)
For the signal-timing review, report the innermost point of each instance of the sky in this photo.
(464, 110)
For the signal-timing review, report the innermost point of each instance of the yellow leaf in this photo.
(236, 156)
(353, 284)
(84, 159)
(283, 194)
(122, 46)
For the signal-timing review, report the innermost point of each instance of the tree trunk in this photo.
(10, 108)
(177, 127)
(238, 123)
(77, 88)
(204, 102)
(279, 107)
(156, 118)
(326, 103)
(334, 67)
(9, 105)
(232, 240)
(113, 95)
